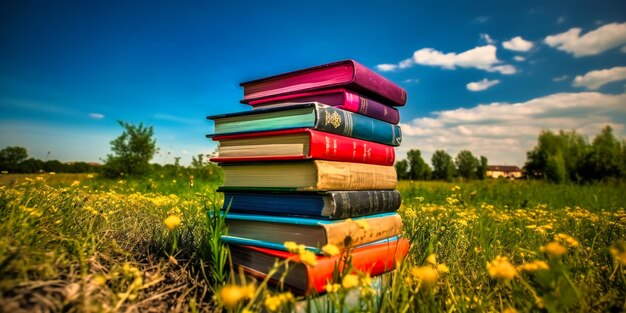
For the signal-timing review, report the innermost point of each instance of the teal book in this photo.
(312, 115)
(273, 231)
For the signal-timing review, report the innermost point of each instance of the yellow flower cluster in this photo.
(554, 249)
(306, 257)
(566, 239)
(533, 266)
(273, 303)
(501, 268)
(330, 249)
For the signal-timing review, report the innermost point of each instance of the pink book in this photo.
(349, 74)
(336, 97)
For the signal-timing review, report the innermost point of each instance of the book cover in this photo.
(374, 259)
(308, 115)
(272, 231)
(310, 175)
(331, 204)
(347, 73)
(287, 144)
(335, 97)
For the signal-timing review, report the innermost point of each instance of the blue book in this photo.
(331, 204)
(273, 231)
(311, 115)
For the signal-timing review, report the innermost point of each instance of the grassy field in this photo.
(80, 243)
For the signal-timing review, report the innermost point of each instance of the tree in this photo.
(466, 164)
(418, 168)
(402, 169)
(605, 157)
(443, 167)
(133, 150)
(481, 170)
(10, 157)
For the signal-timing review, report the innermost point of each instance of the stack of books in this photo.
(312, 163)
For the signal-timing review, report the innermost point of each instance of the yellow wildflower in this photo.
(567, 239)
(442, 268)
(291, 246)
(619, 253)
(425, 274)
(509, 310)
(330, 288)
(350, 281)
(554, 249)
(432, 259)
(75, 183)
(366, 280)
(330, 249)
(308, 258)
(273, 303)
(90, 176)
(501, 268)
(231, 295)
(172, 221)
(536, 265)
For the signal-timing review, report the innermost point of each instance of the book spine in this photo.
(342, 122)
(372, 83)
(349, 233)
(374, 260)
(360, 203)
(327, 146)
(372, 108)
(354, 176)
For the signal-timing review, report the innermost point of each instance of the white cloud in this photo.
(386, 67)
(518, 44)
(177, 119)
(504, 132)
(560, 78)
(594, 42)
(519, 58)
(411, 80)
(481, 85)
(596, 79)
(482, 19)
(482, 58)
(487, 39)
(97, 116)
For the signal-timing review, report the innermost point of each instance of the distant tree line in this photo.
(15, 159)
(132, 152)
(569, 157)
(465, 165)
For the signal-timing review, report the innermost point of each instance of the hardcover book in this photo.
(375, 259)
(312, 175)
(331, 204)
(336, 97)
(299, 144)
(308, 115)
(348, 73)
(272, 231)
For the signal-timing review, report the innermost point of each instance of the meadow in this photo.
(80, 243)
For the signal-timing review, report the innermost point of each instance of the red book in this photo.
(374, 259)
(348, 73)
(336, 97)
(299, 144)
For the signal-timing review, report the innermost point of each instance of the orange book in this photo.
(375, 259)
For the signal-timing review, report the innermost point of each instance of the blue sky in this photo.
(485, 76)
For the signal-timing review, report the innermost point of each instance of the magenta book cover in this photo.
(348, 73)
(336, 97)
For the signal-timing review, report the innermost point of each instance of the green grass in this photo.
(79, 243)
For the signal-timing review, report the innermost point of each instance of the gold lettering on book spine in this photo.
(333, 119)
(363, 105)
